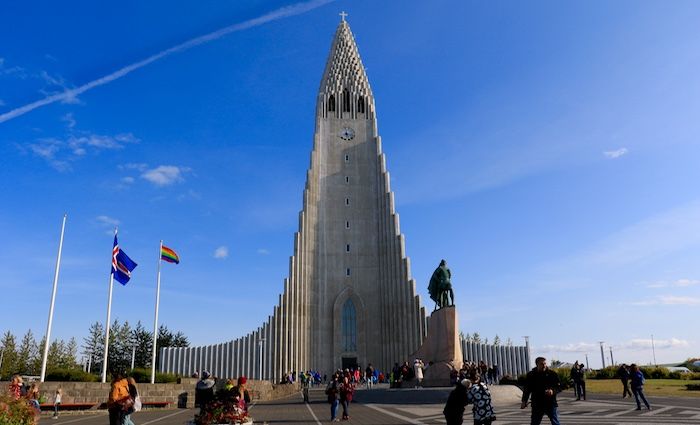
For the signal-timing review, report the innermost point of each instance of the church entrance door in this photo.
(349, 363)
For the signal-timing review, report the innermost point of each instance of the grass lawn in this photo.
(653, 387)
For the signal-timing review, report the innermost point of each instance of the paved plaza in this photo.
(424, 407)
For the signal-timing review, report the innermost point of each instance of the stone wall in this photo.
(178, 394)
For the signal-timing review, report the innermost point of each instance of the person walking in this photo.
(637, 378)
(134, 405)
(332, 393)
(624, 373)
(456, 401)
(347, 390)
(418, 372)
(480, 397)
(204, 391)
(542, 384)
(57, 402)
(305, 384)
(118, 395)
(369, 376)
(581, 384)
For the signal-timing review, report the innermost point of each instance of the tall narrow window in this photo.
(347, 248)
(347, 158)
(349, 326)
(347, 179)
(347, 224)
(331, 104)
(361, 105)
(347, 201)
(347, 272)
(346, 100)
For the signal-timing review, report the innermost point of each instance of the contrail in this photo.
(295, 9)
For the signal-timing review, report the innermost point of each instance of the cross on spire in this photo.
(343, 15)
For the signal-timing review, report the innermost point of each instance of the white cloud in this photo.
(165, 175)
(141, 167)
(128, 180)
(673, 300)
(263, 251)
(578, 347)
(107, 220)
(221, 252)
(616, 153)
(680, 283)
(69, 120)
(59, 153)
(70, 94)
(632, 344)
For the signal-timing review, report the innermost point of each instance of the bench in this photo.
(68, 406)
(156, 403)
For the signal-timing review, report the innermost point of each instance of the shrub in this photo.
(656, 373)
(609, 372)
(142, 375)
(15, 412)
(564, 377)
(72, 375)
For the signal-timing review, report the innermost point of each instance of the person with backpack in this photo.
(637, 378)
(332, 391)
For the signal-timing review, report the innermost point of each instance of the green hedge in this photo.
(144, 376)
(72, 375)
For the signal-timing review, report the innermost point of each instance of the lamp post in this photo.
(653, 351)
(602, 353)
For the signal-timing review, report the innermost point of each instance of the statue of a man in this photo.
(440, 286)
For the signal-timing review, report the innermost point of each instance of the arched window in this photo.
(331, 104)
(346, 100)
(361, 105)
(349, 327)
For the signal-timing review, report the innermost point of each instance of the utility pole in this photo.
(602, 353)
(612, 359)
(588, 365)
(653, 351)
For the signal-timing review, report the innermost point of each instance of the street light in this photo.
(602, 353)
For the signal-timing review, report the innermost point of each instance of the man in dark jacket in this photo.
(624, 373)
(543, 385)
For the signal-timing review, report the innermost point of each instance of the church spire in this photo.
(345, 91)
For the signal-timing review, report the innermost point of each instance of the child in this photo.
(57, 402)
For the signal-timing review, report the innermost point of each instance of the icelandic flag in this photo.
(122, 265)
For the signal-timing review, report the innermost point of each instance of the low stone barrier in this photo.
(179, 394)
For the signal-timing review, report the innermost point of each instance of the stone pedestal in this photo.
(441, 347)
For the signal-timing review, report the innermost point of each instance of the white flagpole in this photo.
(53, 300)
(155, 320)
(109, 315)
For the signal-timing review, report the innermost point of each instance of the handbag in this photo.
(137, 404)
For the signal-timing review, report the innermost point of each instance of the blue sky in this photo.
(547, 150)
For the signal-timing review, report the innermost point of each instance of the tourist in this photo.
(637, 378)
(332, 393)
(496, 374)
(369, 375)
(57, 402)
(624, 373)
(483, 370)
(543, 385)
(479, 396)
(135, 404)
(16, 387)
(33, 398)
(305, 384)
(576, 378)
(118, 398)
(347, 389)
(242, 394)
(456, 401)
(204, 391)
(418, 372)
(581, 382)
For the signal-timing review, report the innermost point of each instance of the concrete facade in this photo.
(349, 254)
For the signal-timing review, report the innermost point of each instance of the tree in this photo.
(168, 339)
(143, 341)
(509, 342)
(27, 354)
(9, 355)
(496, 340)
(93, 347)
(476, 338)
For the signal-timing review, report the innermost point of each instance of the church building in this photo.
(349, 298)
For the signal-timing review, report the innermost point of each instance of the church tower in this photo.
(349, 298)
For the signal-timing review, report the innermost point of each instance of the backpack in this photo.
(137, 404)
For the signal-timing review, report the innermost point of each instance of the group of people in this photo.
(578, 377)
(19, 390)
(472, 390)
(340, 391)
(631, 376)
(235, 392)
(123, 399)
(489, 375)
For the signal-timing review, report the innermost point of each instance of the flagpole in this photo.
(109, 314)
(53, 300)
(155, 320)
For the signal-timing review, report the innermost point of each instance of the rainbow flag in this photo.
(167, 254)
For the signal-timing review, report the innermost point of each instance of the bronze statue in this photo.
(440, 287)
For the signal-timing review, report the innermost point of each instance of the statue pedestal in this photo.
(441, 347)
